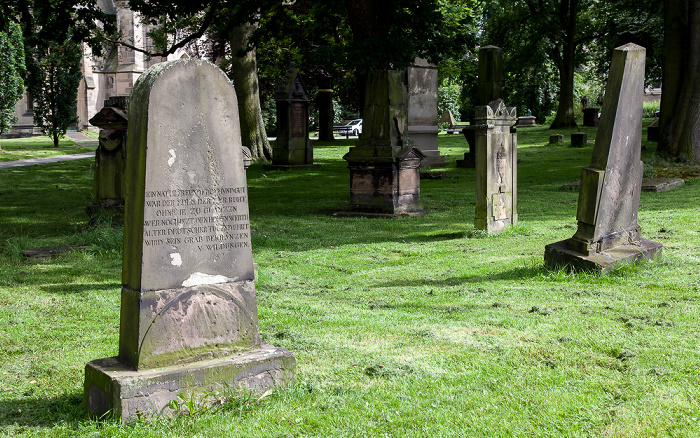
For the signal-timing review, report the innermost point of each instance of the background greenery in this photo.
(410, 327)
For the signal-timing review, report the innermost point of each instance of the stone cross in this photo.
(608, 232)
(496, 168)
(189, 320)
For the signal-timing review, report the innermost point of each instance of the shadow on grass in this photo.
(42, 412)
(66, 289)
(523, 273)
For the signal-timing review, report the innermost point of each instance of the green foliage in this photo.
(12, 71)
(448, 99)
(650, 108)
(55, 77)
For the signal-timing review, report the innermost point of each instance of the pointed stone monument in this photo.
(292, 147)
(608, 202)
(384, 165)
(489, 87)
(496, 167)
(189, 319)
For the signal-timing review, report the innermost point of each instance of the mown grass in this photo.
(411, 327)
(12, 149)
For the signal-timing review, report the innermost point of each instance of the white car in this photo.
(354, 127)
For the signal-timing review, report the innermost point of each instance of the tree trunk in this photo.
(324, 103)
(564, 61)
(245, 80)
(679, 123)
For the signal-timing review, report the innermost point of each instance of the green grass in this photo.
(412, 327)
(12, 149)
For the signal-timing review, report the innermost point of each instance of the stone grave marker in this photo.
(556, 138)
(489, 88)
(496, 167)
(108, 189)
(590, 117)
(189, 321)
(421, 111)
(448, 117)
(384, 165)
(608, 232)
(292, 147)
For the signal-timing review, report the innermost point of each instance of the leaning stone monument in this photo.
(608, 201)
(292, 147)
(384, 165)
(189, 320)
(108, 187)
(421, 111)
(496, 167)
(489, 88)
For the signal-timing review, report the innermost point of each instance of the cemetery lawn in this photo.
(12, 149)
(407, 327)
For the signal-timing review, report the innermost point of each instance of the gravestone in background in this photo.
(189, 320)
(421, 108)
(579, 139)
(292, 147)
(590, 117)
(496, 167)
(489, 87)
(608, 202)
(108, 188)
(384, 165)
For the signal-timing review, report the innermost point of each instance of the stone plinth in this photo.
(496, 167)
(579, 139)
(653, 131)
(384, 165)
(469, 161)
(292, 147)
(421, 109)
(526, 121)
(189, 319)
(590, 117)
(556, 138)
(608, 232)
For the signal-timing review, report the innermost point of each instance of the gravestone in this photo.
(489, 85)
(579, 139)
(556, 138)
(421, 109)
(585, 103)
(448, 118)
(384, 165)
(292, 147)
(496, 169)
(526, 121)
(189, 321)
(608, 232)
(108, 188)
(653, 131)
(590, 117)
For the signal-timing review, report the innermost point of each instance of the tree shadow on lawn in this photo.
(27, 411)
(66, 289)
(523, 273)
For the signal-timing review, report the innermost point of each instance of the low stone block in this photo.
(661, 184)
(579, 139)
(556, 138)
(115, 390)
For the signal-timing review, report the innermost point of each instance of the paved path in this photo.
(78, 137)
(53, 159)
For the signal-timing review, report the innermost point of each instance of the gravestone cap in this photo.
(294, 89)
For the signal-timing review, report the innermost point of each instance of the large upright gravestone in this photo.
(608, 202)
(384, 165)
(293, 147)
(189, 320)
(421, 109)
(496, 167)
(489, 87)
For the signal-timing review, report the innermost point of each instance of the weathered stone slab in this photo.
(526, 121)
(590, 117)
(556, 138)
(188, 294)
(421, 111)
(52, 251)
(661, 184)
(579, 139)
(611, 185)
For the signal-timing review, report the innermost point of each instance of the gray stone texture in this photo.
(496, 167)
(384, 165)
(188, 295)
(421, 111)
(611, 185)
(292, 147)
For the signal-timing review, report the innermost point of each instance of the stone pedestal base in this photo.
(425, 138)
(112, 388)
(560, 255)
(288, 166)
(590, 117)
(468, 162)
